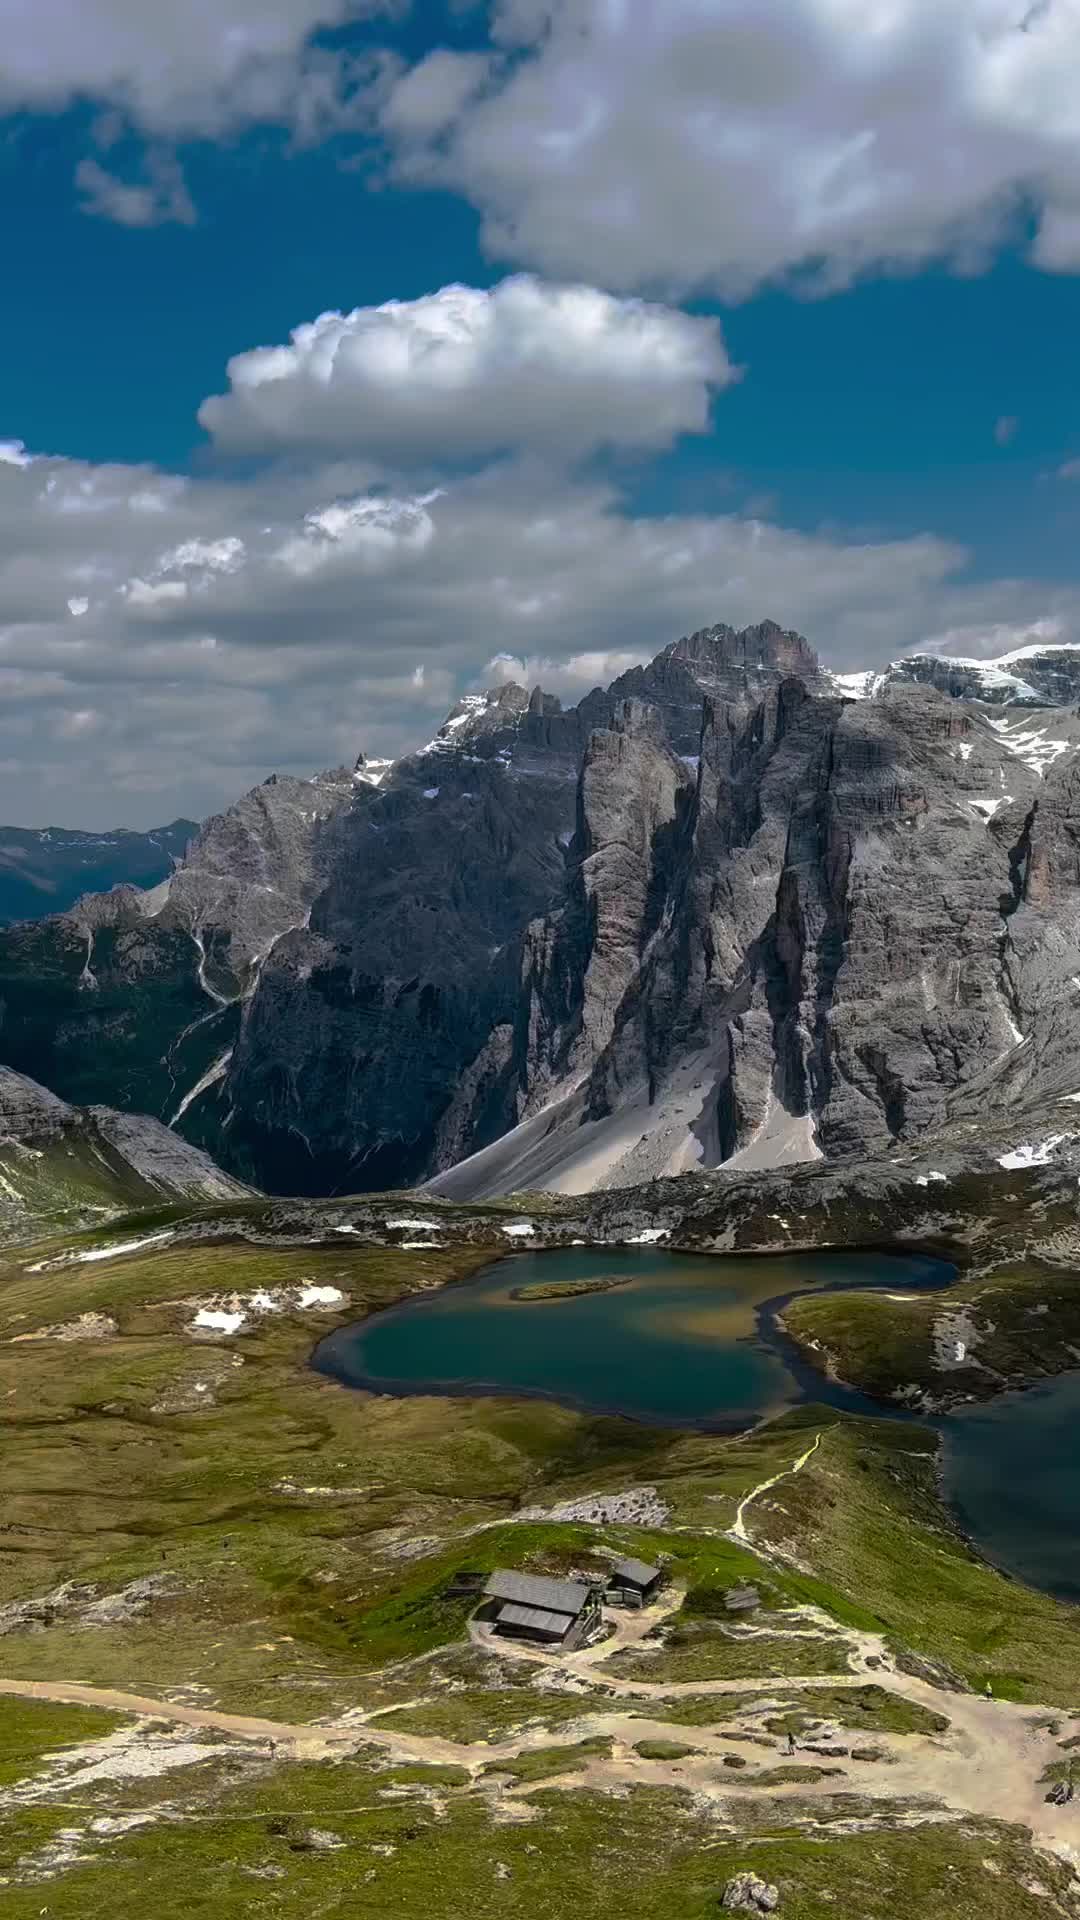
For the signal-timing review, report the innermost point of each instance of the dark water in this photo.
(681, 1344)
(1012, 1472)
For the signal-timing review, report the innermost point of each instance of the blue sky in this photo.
(872, 408)
(857, 235)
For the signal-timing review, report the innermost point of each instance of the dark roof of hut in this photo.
(539, 1619)
(534, 1590)
(636, 1572)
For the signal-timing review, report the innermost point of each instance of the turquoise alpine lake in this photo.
(682, 1341)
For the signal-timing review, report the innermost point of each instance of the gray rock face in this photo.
(131, 997)
(29, 1113)
(823, 964)
(65, 1166)
(370, 1022)
(634, 795)
(717, 914)
(161, 1158)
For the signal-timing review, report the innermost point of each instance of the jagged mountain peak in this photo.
(765, 648)
(718, 908)
(477, 714)
(369, 771)
(720, 661)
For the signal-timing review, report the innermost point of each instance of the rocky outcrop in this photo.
(64, 1166)
(29, 1113)
(749, 1893)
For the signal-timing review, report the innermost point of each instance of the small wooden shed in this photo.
(633, 1583)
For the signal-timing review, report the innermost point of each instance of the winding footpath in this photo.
(738, 1527)
(987, 1763)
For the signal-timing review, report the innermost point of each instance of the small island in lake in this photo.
(570, 1289)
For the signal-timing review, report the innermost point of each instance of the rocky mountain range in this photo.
(46, 869)
(731, 910)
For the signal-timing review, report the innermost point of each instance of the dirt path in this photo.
(738, 1527)
(305, 1741)
(987, 1764)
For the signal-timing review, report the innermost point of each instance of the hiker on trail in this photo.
(989, 1691)
(791, 1743)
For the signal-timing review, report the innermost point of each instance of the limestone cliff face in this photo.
(634, 796)
(364, 1023)
(824, 961)
(718, 913)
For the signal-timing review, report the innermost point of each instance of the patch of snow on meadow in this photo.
(218, 1320)
(74, 1258)
(520, 1230)
(648, 1237)
(233, 1313)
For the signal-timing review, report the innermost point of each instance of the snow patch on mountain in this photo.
(1037, 747)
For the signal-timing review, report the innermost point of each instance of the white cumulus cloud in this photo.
(721, 143)
(200, 68)
(464, 372)
(157, 660)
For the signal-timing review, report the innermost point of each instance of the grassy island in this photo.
(571, 1289)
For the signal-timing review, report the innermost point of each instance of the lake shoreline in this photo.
(334, 1355)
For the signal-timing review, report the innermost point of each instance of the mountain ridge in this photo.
(732, 909)
(47, 869)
